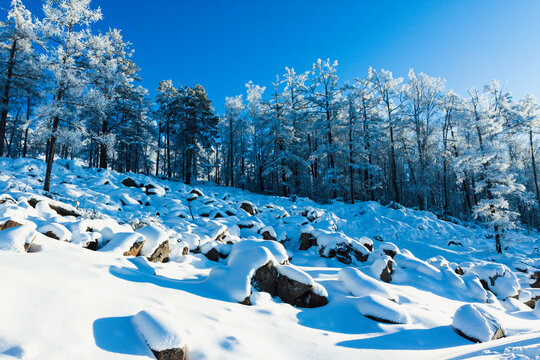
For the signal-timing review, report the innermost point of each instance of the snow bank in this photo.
(476, 324)
(159, 332)
(122, 242)
(381, 309)
(242, 264)
(276, 249)
(18, 238)
(360, 284)
(154, 237)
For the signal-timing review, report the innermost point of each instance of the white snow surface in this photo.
(475, 322)
(159, 332)
(60, 300)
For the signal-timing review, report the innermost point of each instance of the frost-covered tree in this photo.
(18, 62)
(66, 27)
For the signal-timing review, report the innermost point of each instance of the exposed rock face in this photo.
(247, 207)
(386, 274)
(197, 192)
(307, 240)
(267, 236)
(135, 249)
(344, 253)
(264, 279)
(212, 254)
(9, 224)
(64, 211)
(536, 277)
(291, 291)
(161, 254)
(129, 182)
(268, 279)
(171, 354)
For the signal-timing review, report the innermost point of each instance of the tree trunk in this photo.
(103, 147)
(5, 96)
(393, 166)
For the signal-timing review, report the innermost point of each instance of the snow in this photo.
(59, 230)
(295, 274)
(154, 237)
(360, 284)
(380, 308)
(122, 242)
(15, 238)
(475, 322)
(242, 265)
(159, 332)
(276, 249)
(62, 300)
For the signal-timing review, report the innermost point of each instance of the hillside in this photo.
(348, 281)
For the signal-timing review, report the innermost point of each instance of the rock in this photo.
(65, 210)
(476, 324)
(212, 254)
(9, 224)
(162, 336)
(161, 254)
(289, 290)
(305, 293)
(267, 235)
(380, 309)
(248, 207)
(135, 248)
(129, 182)
(307, 240)
(498, 279)
(197, 192)
(5, 198)
(385, 274)
(536, 277)
(265, 279)
(171, 354)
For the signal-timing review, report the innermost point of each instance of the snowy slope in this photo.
(61, 299)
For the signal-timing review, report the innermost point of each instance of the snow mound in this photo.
(18, 238)
(159, 332)
(476, 324)
(381, 309)
(360, 284)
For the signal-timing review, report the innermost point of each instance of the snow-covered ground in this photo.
(371, 281)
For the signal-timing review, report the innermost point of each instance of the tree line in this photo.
(68, 91)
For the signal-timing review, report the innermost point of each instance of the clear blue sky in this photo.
(224, 44)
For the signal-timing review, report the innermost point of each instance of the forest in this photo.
(69, 91)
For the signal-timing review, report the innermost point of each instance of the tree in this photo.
(66, 26)
(17, 60)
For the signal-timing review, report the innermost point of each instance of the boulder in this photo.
(164, 338)
(307, 239)
(161, 254)
(197, 192)
(290, 284)
(536, 277)
(381, 309)
(129, 182)
(9, 224)
(268, 233)
(476, 324)
(135, 249)
(248, 207)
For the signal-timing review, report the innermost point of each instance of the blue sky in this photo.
(224, 44)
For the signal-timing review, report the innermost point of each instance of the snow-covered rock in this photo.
(164, 338)
(476, 324)
(381, 309)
